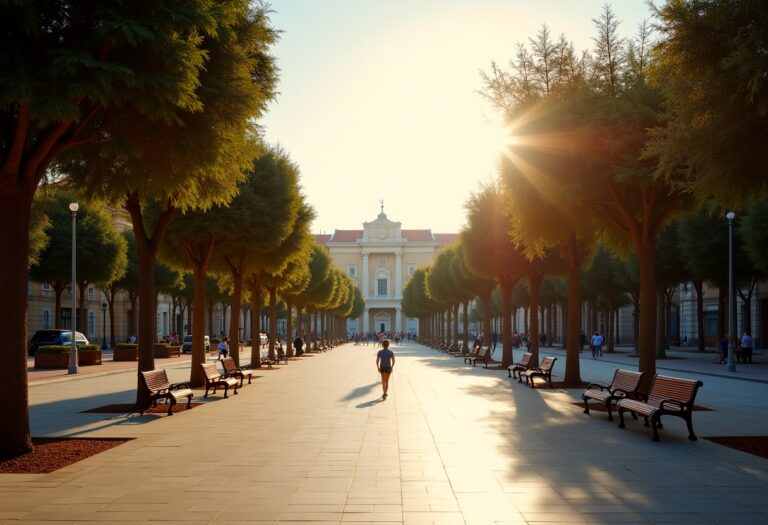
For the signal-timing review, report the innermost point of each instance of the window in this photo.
(91, 322)
(381, 286)
(382, 263)
(91, 293)
(46, 319)
(411, 269)
(66, 318)
(45, 290)
(351, 271)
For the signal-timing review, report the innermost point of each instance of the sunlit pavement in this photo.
(312, 442)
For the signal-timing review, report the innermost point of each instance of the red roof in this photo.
(322, 238)
(347, 235)
(417, 235)
(446, 238)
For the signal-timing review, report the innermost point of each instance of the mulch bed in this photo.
(130, 408)
(597, 407)
(756, 445)
(51, 454)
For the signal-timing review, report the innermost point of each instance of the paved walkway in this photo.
(312, 442)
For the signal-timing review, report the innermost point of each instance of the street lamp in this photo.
(73, 207)
(730, 367)
(103, 326)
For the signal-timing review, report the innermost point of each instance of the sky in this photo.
(380, 100)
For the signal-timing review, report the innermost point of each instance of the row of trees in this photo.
(607, 148)
(152, 107)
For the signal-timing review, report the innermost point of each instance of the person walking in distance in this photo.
(385, 362)
(597, 345)
(746, 348)
(223, 348)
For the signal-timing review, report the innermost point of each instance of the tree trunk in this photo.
(646, 255)
(146, 249)
(15, 205)
(661, 336)
(255, 285)
(506, 283)
(534, 284)
(272, 320)
(485, 301)
(199, 263)
(722, 311)
(58, 289)
(236, 272)
(574, 256)
(289, 329)
(465, 318)
(611, 329)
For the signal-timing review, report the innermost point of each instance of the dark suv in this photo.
(54, 337)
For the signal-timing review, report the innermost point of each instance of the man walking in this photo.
(597, 345)
(746, 348)
(385, 362)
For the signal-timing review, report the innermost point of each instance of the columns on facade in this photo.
(365, 284)
(366, 316)
(398, 315)
(398, 277)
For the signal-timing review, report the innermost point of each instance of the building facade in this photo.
(380, 258)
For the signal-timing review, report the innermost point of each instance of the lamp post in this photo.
(103, 326)
(730, 367)
(73, 207)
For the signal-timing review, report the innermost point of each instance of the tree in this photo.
(752, 229)
(129, 281)
(101, 251)
(491, 252)
(79, 74)
(710, 64)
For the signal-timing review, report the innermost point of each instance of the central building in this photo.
(381, 258)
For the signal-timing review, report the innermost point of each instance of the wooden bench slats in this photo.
(521, 366)
(544, 371)
(232, 370)
(482, 355)
(214, 379)
(159, 387)
(668, 396)
(625, 384)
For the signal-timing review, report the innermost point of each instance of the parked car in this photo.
(54, 337)
(186, 344)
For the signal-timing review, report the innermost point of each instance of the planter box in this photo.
(167, 351)
(125, 354)
(59, 360)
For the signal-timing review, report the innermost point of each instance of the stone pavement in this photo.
(312, 442)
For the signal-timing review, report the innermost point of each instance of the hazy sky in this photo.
(379, 99)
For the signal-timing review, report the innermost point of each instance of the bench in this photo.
(213, 379)
(521, 366)
(668, 396)
(158, 387)
(472, 353)
(544, 370)
(232, 370)
(625, 384)
(481, 355)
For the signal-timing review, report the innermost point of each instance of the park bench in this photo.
(521, 366)
(544, 370)
(158, 387)
(461, 350)
(216, 380)
(475, 350)
(232, 370)
(668, 396)
(483, 354)
(625, 384)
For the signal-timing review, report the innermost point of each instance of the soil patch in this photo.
(51, 454)
(756, 445)
(598, 407)
(130, 408)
